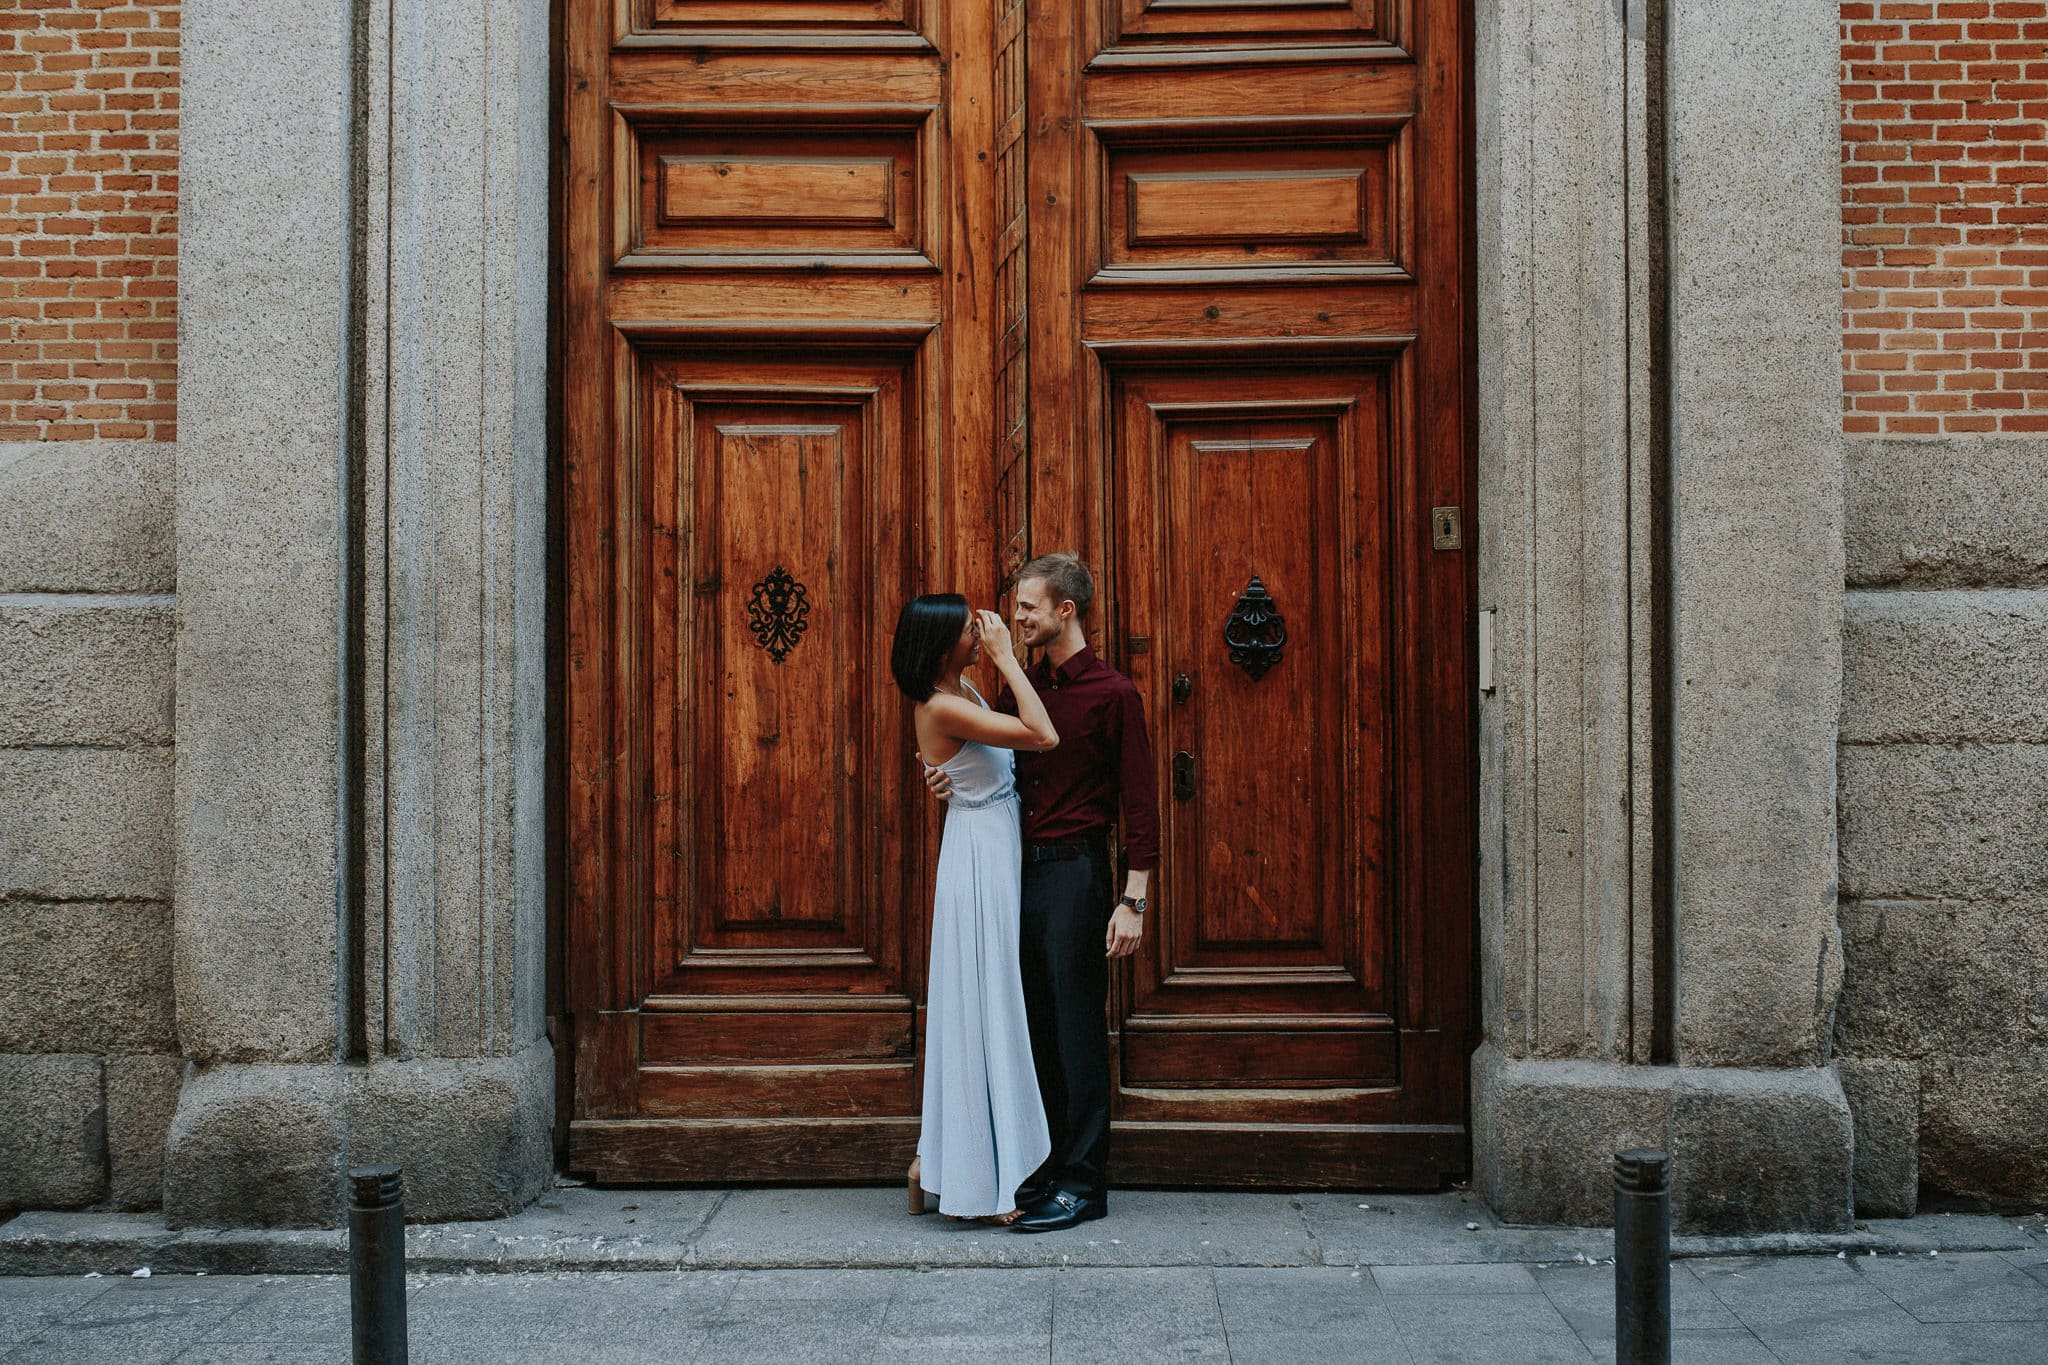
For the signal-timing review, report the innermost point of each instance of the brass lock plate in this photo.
(1446, 528)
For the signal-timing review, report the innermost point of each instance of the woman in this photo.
(983, 1131)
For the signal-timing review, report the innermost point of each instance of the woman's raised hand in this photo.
(995, 636)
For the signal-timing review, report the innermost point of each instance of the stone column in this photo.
(456, 489)
(1634, 160)
(1565, 458)
(1757, 462)
(1564, 528)
(403, 1023)
(258, 1133)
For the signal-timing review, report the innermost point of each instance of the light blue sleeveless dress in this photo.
(983, 1131)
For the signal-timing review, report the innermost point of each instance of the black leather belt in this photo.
(1054, 853)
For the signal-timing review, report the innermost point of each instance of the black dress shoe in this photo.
(1030, 1195)
(1060, 1209)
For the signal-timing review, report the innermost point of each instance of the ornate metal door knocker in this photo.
(779, 613)
(1255, 631)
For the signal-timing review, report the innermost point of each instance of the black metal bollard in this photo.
(1642, 1257)
(376, 1264)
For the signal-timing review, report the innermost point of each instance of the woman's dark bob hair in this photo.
(926, 631)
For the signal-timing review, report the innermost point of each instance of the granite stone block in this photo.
(53, 1110)
(142, 1096)
(257, 1145)
(1884, 1103)
(87, 516)
(1930, 979)
(1945, 667)
(1982, 1133)
(79, 824)
(1965, 823)
(85, 976)
(1946, 512)
(1759, 1151)
(86, 670)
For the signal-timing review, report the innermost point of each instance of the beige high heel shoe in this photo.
(916, 1187)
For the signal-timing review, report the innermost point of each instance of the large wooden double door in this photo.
(864, 298)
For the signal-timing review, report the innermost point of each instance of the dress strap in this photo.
(975, 690)
(981, 803)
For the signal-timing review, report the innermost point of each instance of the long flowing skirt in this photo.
(984, 1130)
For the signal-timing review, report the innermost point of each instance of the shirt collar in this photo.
(1078, 665)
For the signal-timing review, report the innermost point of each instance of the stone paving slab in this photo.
(1287, 1317)
(1449, 1329)
(1726, 1311)
(1822, 1310)
(2034, 1263)
(1981, 1286)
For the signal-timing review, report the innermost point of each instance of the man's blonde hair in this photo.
(1063, 572)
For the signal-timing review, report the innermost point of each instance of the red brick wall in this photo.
(88, 219)
(1945, 216)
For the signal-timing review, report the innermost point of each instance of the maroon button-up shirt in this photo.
(1103, 762)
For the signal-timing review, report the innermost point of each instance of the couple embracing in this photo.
(1027, 915)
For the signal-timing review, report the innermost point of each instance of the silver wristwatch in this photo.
(1136, 903)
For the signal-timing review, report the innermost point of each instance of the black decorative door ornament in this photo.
(779, 613)
(1255, 630)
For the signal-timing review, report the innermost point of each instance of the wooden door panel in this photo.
(1361, 83)
(1255, 574)
(804, 1092)
(794, 1031)
(1252, 21)
(777, 502)
(768, 810)
(654, 79)
(710, 191)
(1256, 834)
(1236, 491)
(1243, 198)
(1231, 328)
(768, 16)
(1335, 1058)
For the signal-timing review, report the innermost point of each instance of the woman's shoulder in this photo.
(939, 703)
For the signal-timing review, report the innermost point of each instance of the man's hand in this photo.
(1126, 927)
(936, 780)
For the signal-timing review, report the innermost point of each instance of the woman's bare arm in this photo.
(958, 718)
(1031, 713)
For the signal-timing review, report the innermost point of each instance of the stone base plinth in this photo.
(270, 1145)
(1752, 1150)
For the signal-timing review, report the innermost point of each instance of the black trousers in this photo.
(1066, 910)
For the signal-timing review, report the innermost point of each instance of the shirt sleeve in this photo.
(1140, 787)
(1004, 701)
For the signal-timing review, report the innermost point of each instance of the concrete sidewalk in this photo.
(579, 1228)
(843, 1275)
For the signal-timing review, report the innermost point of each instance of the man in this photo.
(1071, 925)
